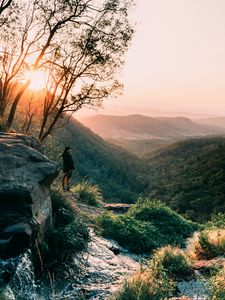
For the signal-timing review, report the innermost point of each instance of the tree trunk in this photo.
(14, 105)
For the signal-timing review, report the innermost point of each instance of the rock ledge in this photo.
(25, 205)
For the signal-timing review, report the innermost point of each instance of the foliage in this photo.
(189, 176)
(88, 193)
(218, 285)
(217, 221)
(207, 244)
(172, 261)
(80, 44)
(174, 228)
(157, 280)
(125, 230)
(120, 175)
(150, 224)
(145, 290)
(144, 286)
(68, 235)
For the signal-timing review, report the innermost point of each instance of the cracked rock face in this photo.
(25, 205)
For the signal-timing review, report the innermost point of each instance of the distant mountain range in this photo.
(212, 121)
(139, 127)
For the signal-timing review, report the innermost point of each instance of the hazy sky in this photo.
(177, 59)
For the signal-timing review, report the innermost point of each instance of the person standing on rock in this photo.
(68, 167)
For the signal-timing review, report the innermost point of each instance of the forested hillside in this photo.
(143, 134)
(120, 175)
(190, 176)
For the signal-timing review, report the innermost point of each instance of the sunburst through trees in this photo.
(72, 49)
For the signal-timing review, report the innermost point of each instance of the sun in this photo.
(38, 79)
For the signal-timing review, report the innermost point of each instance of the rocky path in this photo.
(107, 264)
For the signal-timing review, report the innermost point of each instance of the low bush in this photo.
(171, 225)
(68, 235)
(150, 224)
(217, 221)
(88, 193)
(137, 236)
(63, 213)
(172, 261)
(207, 244)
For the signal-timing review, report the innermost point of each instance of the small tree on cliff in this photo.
(78, 43)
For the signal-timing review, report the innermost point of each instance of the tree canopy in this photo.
(78, 44)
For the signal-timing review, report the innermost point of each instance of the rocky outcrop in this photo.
(117, 208)
(25, 205)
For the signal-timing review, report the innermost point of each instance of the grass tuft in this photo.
(88, 193)
(172, 261)
(207, 244)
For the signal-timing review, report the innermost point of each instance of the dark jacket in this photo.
(68, 163)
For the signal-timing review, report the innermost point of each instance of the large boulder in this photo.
(25, 204)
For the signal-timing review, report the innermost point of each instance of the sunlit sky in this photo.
(176, 64)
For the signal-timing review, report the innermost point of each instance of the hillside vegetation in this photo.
(190, 177)
(140, 147)
(143, 134)
(150, 224)
(120, 175)
(160, 278)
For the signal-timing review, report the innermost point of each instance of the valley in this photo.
(142, 135)
(186, 174)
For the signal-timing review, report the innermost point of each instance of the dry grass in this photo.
(172, 261)
(157, 280)
(144, 286)
(218, 285)
(207, 244)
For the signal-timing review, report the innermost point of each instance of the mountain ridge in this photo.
(139, 127)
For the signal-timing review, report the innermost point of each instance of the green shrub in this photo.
(135, 235)
(217, 221)
(69, 233)
(63, 213)
(171, 225)
(150, 224)
(88, 193)
(67, 240)
(172, 261)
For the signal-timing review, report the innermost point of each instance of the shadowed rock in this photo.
(25, 205)
(117, 208)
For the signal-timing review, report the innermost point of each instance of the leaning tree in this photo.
(80, 46)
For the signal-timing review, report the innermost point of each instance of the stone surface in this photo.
(25, 205)
(104, 272)
(117, 208)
